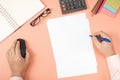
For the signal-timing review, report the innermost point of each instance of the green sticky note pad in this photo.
(115, 4)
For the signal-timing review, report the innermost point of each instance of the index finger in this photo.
(12, 49)
(18, 49)
(102, 34)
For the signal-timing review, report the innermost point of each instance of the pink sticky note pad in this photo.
(107, 12)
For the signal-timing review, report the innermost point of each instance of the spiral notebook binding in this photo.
(8, 17)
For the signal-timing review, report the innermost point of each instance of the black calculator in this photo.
(68, 6)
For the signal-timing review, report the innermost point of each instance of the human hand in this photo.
(17, 63)
(106, 48)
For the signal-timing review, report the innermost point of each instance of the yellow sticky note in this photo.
(115, 4)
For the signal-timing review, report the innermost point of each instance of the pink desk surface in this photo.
(42, 64)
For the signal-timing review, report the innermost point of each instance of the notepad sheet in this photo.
(72, 47)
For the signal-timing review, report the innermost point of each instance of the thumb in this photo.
(96, 41)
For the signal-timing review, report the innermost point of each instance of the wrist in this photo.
(18, 74)
(111, 54)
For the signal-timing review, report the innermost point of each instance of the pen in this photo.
(100, 7)
(101, 39)
(96, 7)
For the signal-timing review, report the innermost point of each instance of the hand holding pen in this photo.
(101, 38)
(104, 43)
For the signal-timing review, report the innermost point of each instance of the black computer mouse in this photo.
(22, 47)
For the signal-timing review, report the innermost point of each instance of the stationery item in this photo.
(100, 6)
(101, 39)
(68, 6)
(97, 6)
(72, 46)
(110, 9)
(107, 12)
(112, 6)
(14, 13)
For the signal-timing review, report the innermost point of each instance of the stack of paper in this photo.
(111, 7)
(72, 46)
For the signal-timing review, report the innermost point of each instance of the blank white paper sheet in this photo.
(72, 47)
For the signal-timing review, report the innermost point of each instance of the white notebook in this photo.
(14, 13)
(72, 46)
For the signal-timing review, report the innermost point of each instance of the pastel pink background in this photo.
(42, 64)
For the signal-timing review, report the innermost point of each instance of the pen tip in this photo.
(90, 35)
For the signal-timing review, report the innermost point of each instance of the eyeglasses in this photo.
(38, 19)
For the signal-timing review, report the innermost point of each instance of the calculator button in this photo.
(68, 8)
(64, 9)
(70, 0)
(72, 7)
(63, 6)
(62, 2)
(79, 3)
(71, 4)
(76, 6)
(82, 2)
(67, 1)
(67, 5)
(75, 3)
